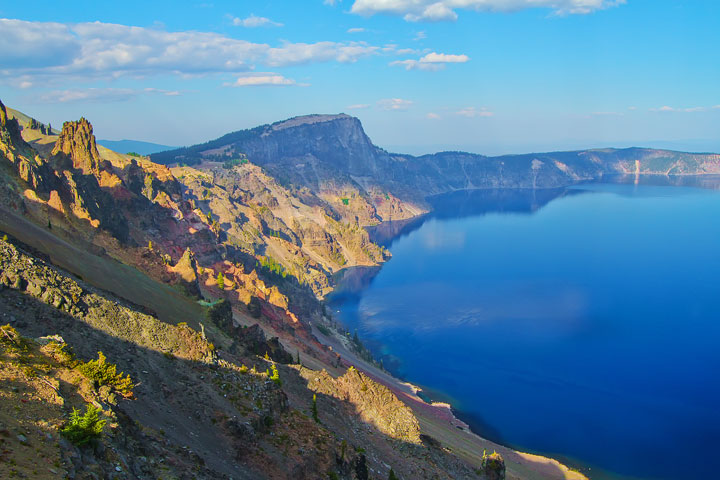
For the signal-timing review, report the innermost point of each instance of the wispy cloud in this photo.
(90, 95)
(472, 112)
(394, 104)
(432, 116)
(358, 106)
(667, 108)
(421, 35)
(254, 21)
(431, 62)
(355, 30)
(445, 10)
(268, 79)
(607, 114)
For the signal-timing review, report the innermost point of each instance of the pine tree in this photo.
(314, 409)
(221, 281)
(392, 475)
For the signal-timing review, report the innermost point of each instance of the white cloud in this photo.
(472, 112)
(331, 2)
(297, 53)
(431, 62)
(254, 21)
(263, 80)
(355, 30)
(444, 58)
(89, 95)
(358, 106)
(85, 50)
(667, 108)
(420, 35)
(432, 116)
(444, 10)
(394, 104)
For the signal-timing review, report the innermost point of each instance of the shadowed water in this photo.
(580, 322)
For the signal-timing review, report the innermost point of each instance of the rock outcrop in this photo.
(494, 466)
(187, 270)
(375, 403)
(76, 144)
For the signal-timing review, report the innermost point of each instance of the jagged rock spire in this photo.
(77, 143)
(9, 129)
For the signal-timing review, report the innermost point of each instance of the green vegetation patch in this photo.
(273, 266)
(103, 373)
(86, 428)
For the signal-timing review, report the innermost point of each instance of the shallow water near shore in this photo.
(580, 322)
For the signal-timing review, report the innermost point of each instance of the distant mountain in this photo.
(125, 146)
(330, 152)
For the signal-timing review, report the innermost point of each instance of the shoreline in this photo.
(438, 420)
(432, 412)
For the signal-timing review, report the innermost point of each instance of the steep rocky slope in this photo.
(201, 284)
(194, 412)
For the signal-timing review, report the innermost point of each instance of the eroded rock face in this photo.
(21, 272)
(77, 143)
(373, 402)
(187, 269)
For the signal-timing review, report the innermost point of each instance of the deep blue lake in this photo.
(582, 323)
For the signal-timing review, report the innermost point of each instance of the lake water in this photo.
(582, 323)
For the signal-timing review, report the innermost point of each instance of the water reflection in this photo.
(577, 321)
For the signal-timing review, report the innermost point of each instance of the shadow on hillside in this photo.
(188, 402)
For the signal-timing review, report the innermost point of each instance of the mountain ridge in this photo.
(322, 152)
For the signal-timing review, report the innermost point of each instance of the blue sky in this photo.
(490, 76)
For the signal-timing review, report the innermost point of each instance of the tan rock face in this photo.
(373, 402)
(77, 143)
(3, 116)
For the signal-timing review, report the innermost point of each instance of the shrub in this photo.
(275, 377)
(64, 352)
(392, 475)
(220, 281)
(103, 373)
(81, 430)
